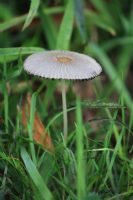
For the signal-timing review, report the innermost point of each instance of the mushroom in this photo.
(64, 65)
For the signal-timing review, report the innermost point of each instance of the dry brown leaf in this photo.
(39, 132)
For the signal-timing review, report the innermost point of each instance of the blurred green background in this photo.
(96, 161)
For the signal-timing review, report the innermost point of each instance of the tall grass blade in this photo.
(80, 19)
(30, 126)
(32, 12)
(66, 27)
(49, 28)
(35, 176)
(110, 165)
(6, 99)
(81, 187)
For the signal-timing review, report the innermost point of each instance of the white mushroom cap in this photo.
(58, 64)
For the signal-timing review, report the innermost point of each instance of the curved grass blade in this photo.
(94, 19)
(32, 12)
(90, 105)
(111, 72)
(12, 22)
(103, 9)
(10, 54)
(35, 176)
(15, 163)
(118, 42)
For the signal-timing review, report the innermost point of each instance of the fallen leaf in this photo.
(40, 134)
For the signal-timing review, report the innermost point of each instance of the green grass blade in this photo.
(100, 6)
(111, 72)
(92, 196)
(99, 104)
(11, 23)
(103, 9)
(35, 176)
(63, 186)
(6, 100)
(5, 12)
(30, 126)
(32, 12)
(118, 42)
(124, 60)
(94, 19)
(116, 133)
(81, 187)
(66, 27)
(10, 54)
(110, 165)
(80, 19)
(49, 28)
(92, 105)
(54, 10)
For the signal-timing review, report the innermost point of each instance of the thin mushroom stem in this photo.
(64, 105)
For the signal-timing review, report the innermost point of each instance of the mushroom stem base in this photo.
(64, 105)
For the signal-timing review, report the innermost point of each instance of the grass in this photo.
(95, 163)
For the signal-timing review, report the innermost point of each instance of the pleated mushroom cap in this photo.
(67, 65)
